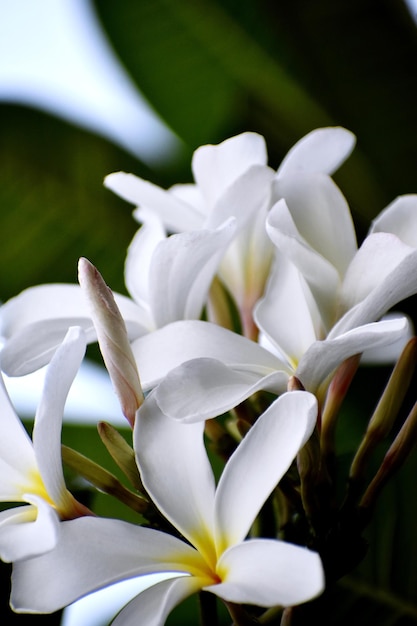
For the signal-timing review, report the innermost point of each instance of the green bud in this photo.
(103, 479)
(121, 452)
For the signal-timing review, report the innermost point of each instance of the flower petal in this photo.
(48, 420)
(287, 314)
(182, 270)
(139, 256)
(243, 198)
(15, 445)
(152, 606)
(320, 275)
(35, 322)
(28, 531)
(159, 352)
(262, 457)
(324, 356)
(321, 215)
(204, 388)
(321, 150)
(399, 218)
(388, 354)
(92, 553)
(176, 215)
(269, 573)
(383, 272)
(215, 167)
(175, 470)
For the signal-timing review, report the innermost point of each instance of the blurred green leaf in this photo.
(54, 207)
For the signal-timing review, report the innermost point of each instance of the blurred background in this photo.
(88, 88)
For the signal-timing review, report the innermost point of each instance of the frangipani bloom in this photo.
(313, 228)
(232, 179)
(168, 280)
(220, 220)
(307, 293)
(201, 370)
(216, 556)
(31, 471)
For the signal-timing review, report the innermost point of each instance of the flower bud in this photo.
(112, 338)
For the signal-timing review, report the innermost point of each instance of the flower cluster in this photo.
(251, 307)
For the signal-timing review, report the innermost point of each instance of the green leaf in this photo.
(54, 207)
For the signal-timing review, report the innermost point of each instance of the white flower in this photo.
(232, 179)
(313, 228)
(221, 226)
(201, 370)
(169, 281)
(31, 471)
(216, 556)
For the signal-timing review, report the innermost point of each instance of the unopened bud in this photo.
(387, 409)
(294, 384)
(112, 338)
(335, 395)
(397, 453)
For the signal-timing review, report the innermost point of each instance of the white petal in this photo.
(204, 388)
(182, 270)
(92, 553)
(139, 255)
(48, 421)
(321, 150)
(324, 356)
(43, 302)
(386, 355)
(377, 257)
(28, 531)
(175, 470)
(215, 167)
(190, 194)
(287, 314)
(320, 275)
(36, 321)
(269, 573)
(399, 218)
(262, 458)
(321, 215)
(159, 352)
(17, 477)
(383, 273)
(15, 445)
(175, 214)
(245, 196)
(245, 266)
(152, 606)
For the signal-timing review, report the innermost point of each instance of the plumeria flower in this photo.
(400, 219)
(313, 228)
(31, 470)
(169, 278)
(213, 553)
(232, 179)
(201, 370)
(205, 371)
(171, 283)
